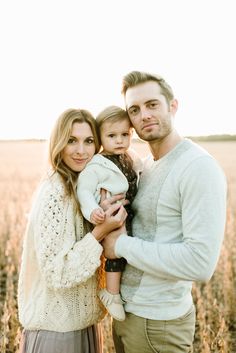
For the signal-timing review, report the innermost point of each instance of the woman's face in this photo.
(80, 147)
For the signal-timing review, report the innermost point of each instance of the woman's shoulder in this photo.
(51, 183)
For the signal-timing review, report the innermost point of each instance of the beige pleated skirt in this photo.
(88, 340)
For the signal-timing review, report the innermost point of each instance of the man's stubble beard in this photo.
(164, 131)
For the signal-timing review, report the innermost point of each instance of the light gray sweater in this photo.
(178, 228)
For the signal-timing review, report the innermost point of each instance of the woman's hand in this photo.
(97, 216)
(107, 202)
(115, 217)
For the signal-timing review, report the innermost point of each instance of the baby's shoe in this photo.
(113, 303)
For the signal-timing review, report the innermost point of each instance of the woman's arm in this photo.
(63, 260)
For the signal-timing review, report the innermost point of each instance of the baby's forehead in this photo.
(116, 123)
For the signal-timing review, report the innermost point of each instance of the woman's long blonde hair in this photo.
(58, 141)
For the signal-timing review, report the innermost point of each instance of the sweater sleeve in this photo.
(86, 190)
(63, 261)
(202, 194)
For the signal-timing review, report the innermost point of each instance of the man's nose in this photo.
(145, 113)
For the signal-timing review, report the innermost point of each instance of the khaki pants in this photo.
(139, 335)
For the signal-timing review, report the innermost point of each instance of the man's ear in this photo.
(173, 106)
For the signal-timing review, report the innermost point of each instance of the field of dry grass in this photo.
(22, 165)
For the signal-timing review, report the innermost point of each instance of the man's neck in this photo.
(159, 148)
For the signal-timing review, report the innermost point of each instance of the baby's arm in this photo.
(86, 191)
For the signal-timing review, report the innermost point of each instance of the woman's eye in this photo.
(111, 135)
(71, 140)
(90, 141)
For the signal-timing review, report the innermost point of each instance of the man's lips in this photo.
(148, 126)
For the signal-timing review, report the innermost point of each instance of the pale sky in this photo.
(73, 54)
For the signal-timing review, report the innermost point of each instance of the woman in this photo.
(58, 283)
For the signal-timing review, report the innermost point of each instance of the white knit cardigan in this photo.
(58, 284)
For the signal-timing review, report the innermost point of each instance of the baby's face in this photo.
(116, 136)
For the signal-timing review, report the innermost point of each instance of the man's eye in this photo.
(133, 111)
(153, 105)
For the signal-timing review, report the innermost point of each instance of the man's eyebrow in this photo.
(152, 100)
(133, 105)
(148, 101)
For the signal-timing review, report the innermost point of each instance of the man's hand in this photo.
(109, 242)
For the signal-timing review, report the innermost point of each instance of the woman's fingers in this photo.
(121, 214)
(117, 212)
(112, 209)
(105, 203)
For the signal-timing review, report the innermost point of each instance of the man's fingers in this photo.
(117, 197)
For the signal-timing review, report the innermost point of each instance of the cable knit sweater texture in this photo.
(58, 284)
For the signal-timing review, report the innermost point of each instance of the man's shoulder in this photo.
(199, 161)
(193, 151)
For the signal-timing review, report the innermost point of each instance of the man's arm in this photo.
(203, 198)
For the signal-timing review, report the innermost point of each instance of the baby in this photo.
(115, 169)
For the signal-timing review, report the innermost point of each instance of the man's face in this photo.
(149, 111)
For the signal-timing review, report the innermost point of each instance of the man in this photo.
(178, 227)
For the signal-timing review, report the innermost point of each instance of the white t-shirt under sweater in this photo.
(58, 284)
(178, 228)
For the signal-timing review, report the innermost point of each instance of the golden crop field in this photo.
(23, 164)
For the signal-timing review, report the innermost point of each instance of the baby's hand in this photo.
(97, 216)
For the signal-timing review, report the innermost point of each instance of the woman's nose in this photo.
(79, 148)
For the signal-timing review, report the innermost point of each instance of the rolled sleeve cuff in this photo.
(122, 245)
